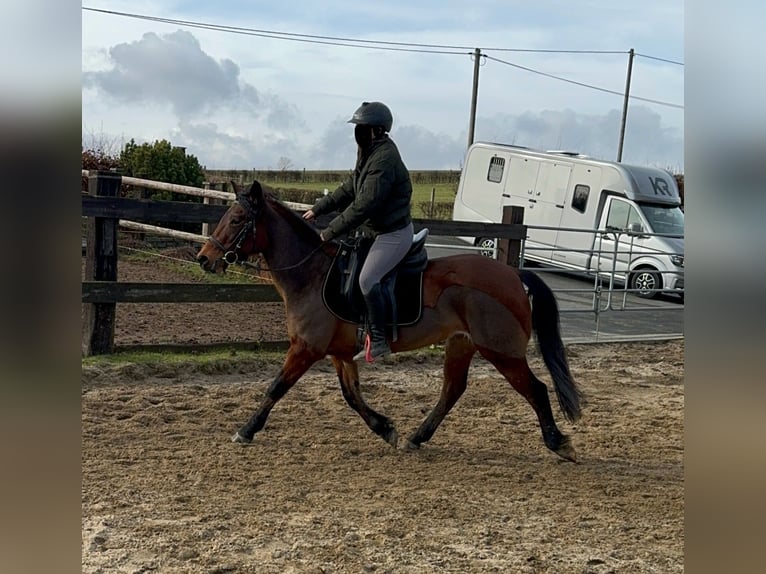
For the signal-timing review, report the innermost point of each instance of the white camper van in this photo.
(583, 214)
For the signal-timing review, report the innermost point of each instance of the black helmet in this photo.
(373, 114)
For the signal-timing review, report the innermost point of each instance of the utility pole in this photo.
(631, 53)
(474, 94)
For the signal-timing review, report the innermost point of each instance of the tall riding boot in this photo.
(377, 345)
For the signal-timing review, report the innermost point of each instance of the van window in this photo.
(664, 218)
(496, 166)
(621, 215)
(580, 197)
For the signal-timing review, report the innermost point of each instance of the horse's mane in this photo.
(302, 227)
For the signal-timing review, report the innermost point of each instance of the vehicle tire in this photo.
(486, 246)
(646, 283)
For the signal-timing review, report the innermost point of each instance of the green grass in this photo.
(221, 360)
(191, 358)
(421, 192)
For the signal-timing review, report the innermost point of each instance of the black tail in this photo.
(545, 321)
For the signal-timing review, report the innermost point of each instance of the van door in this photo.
(520, 189)
(579, 210)
(542, 185)
(615, 256)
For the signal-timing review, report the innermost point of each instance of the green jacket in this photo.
(376, 198)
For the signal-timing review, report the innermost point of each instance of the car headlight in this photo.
(678, 260)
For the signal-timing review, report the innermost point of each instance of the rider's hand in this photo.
(323, 235)
(309, 215)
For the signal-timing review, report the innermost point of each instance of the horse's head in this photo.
(234, 237)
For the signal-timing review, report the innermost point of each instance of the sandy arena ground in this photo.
(165, 491)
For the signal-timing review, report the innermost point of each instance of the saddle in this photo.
(402, 286)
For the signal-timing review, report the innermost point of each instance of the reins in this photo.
(232, 256)
(258, 267)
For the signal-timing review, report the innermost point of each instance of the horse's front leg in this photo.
(299, 359)
(348, 375)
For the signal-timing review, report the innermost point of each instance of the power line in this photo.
(390, 46)
(342, 41)
(584, 85)
(660, 59)
(307, 38)
(546, 51)
(272, 33)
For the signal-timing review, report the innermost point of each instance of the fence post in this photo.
(433, 201)
(206, 225)
(509, 250)
(101, 265)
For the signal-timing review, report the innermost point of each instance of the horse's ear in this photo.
(236, 187)
(256, 191)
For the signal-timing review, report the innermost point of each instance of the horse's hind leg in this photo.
(518, 373)
(459, 351)
(348, 375)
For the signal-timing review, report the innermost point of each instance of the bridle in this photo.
(231, 256)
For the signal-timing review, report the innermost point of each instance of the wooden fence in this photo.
(105, 209)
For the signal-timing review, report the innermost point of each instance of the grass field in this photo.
(441, 195)
(443, 192)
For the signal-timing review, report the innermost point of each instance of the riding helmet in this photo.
(373, 114)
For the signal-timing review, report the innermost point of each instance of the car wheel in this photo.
(486, 247)
(646, 283)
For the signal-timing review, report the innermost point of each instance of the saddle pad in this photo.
(408, 293)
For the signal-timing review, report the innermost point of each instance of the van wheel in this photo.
(486, 247)
(646, 283)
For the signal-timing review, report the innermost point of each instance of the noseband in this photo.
(230, 255)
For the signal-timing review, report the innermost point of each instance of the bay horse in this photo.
(470, 302)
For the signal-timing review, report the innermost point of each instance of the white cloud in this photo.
(172, 69)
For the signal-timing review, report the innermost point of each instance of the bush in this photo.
(162, 161)
(97, 159)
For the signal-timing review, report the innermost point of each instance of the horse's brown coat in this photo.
(471, 303)
(499, 281)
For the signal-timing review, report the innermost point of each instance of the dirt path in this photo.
(165, 491)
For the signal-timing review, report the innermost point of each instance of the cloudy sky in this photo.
(244, 99)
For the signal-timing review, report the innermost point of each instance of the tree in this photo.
(284, 163)
(164, 162)
(679, 177)
(161, 161)
(98, 154)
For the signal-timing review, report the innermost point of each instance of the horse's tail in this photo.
(545, 322)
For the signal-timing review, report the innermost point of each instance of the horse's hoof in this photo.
(409, 445)
(238, 438)
(391, 437)
(567, 452)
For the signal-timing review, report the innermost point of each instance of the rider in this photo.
(376, 201)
